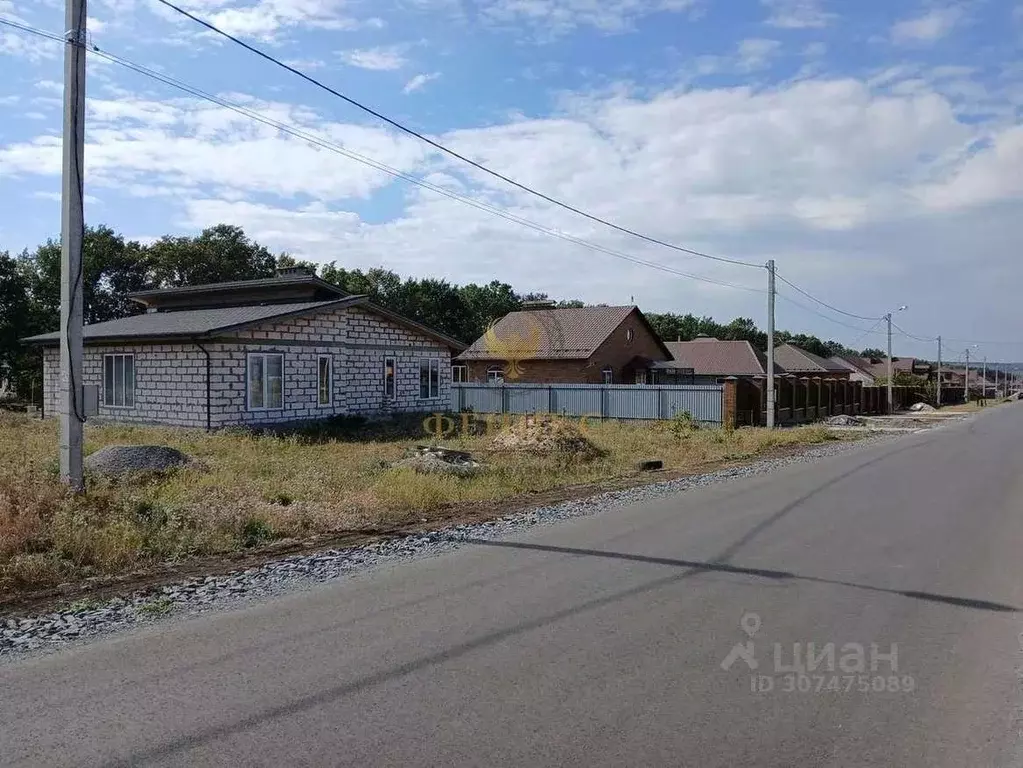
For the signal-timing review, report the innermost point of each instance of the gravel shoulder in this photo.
(90, 618)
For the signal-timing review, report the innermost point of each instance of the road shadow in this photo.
(764, 573)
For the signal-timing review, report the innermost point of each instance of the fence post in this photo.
(729, 400)
(504, 398)
(603, 403)
(550, 398)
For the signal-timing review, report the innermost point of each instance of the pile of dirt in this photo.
(843, 420)
(429, 460)
(121, 460)
(543, 436)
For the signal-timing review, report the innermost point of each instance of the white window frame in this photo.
(642, 376)
(109, 399)
(495, 375)
(607, 375)
(266, 382)
(432, 367)
(392, 363)
(464, 371)
(330, 381)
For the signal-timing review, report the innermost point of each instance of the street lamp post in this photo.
(891, 400)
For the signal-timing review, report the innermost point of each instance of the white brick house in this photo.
(291, 348)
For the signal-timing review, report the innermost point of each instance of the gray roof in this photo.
(189, 322)
(234, 285)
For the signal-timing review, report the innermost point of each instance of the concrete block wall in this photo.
(358, 341)
(170, 379)
(170, 383)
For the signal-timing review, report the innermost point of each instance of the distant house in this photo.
(289, 348)
(800, 362)
(544, 344)
(860, 369)
(712, 359)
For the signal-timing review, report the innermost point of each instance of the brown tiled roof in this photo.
(712, 357)
(795, 359)
(557, 333)
(861, 365)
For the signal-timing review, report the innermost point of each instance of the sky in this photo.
(872, 148)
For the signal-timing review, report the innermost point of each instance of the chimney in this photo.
(539, 304)
(294, 271)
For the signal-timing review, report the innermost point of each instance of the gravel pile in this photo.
(121, 460)
(427, 460)
(89, 618)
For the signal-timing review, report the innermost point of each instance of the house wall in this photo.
(171, 378)
(358, 341)
(615, 352)
(170, 383)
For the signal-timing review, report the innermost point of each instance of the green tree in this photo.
(217, 254)
(18, 364)
(111, 269)
(876, 354)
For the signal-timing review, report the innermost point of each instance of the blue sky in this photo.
(873, 149)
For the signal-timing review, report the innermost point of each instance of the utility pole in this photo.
(966, 378)
(72, 232)
(891, 408)
(938, 395)
(983, 380)
(770, 344)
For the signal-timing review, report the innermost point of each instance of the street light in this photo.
(888, 317)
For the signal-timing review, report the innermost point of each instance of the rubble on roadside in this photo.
(432, 460)
(545, 435)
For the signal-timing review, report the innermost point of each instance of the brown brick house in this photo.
(544, 344)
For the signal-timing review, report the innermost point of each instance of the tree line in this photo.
(114, 267)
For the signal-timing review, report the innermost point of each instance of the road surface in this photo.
(601, 641)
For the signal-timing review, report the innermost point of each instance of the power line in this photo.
(790, 300)
(452, 153)
(824, 303)
(866, 333)
(339, 149)
(906, 333)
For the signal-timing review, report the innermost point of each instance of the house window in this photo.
(429, 378)
(495, 375)
(459, 374)
(266, 381)
(608, 375)
(389, 373)
(629, 335)
(324, 380)
(119, 381)
(641, 376)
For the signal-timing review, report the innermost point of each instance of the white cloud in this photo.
(419, 81)
(382, 58)
(551, 18)
(928, 28)
(262, 19)
(756, 53)
(24, 46)
(797, 14)
(820, 174)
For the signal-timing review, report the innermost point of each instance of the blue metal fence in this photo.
(612, 401)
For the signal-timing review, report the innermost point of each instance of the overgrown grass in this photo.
(249, 490)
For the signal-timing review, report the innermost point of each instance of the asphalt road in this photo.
(600, 641)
